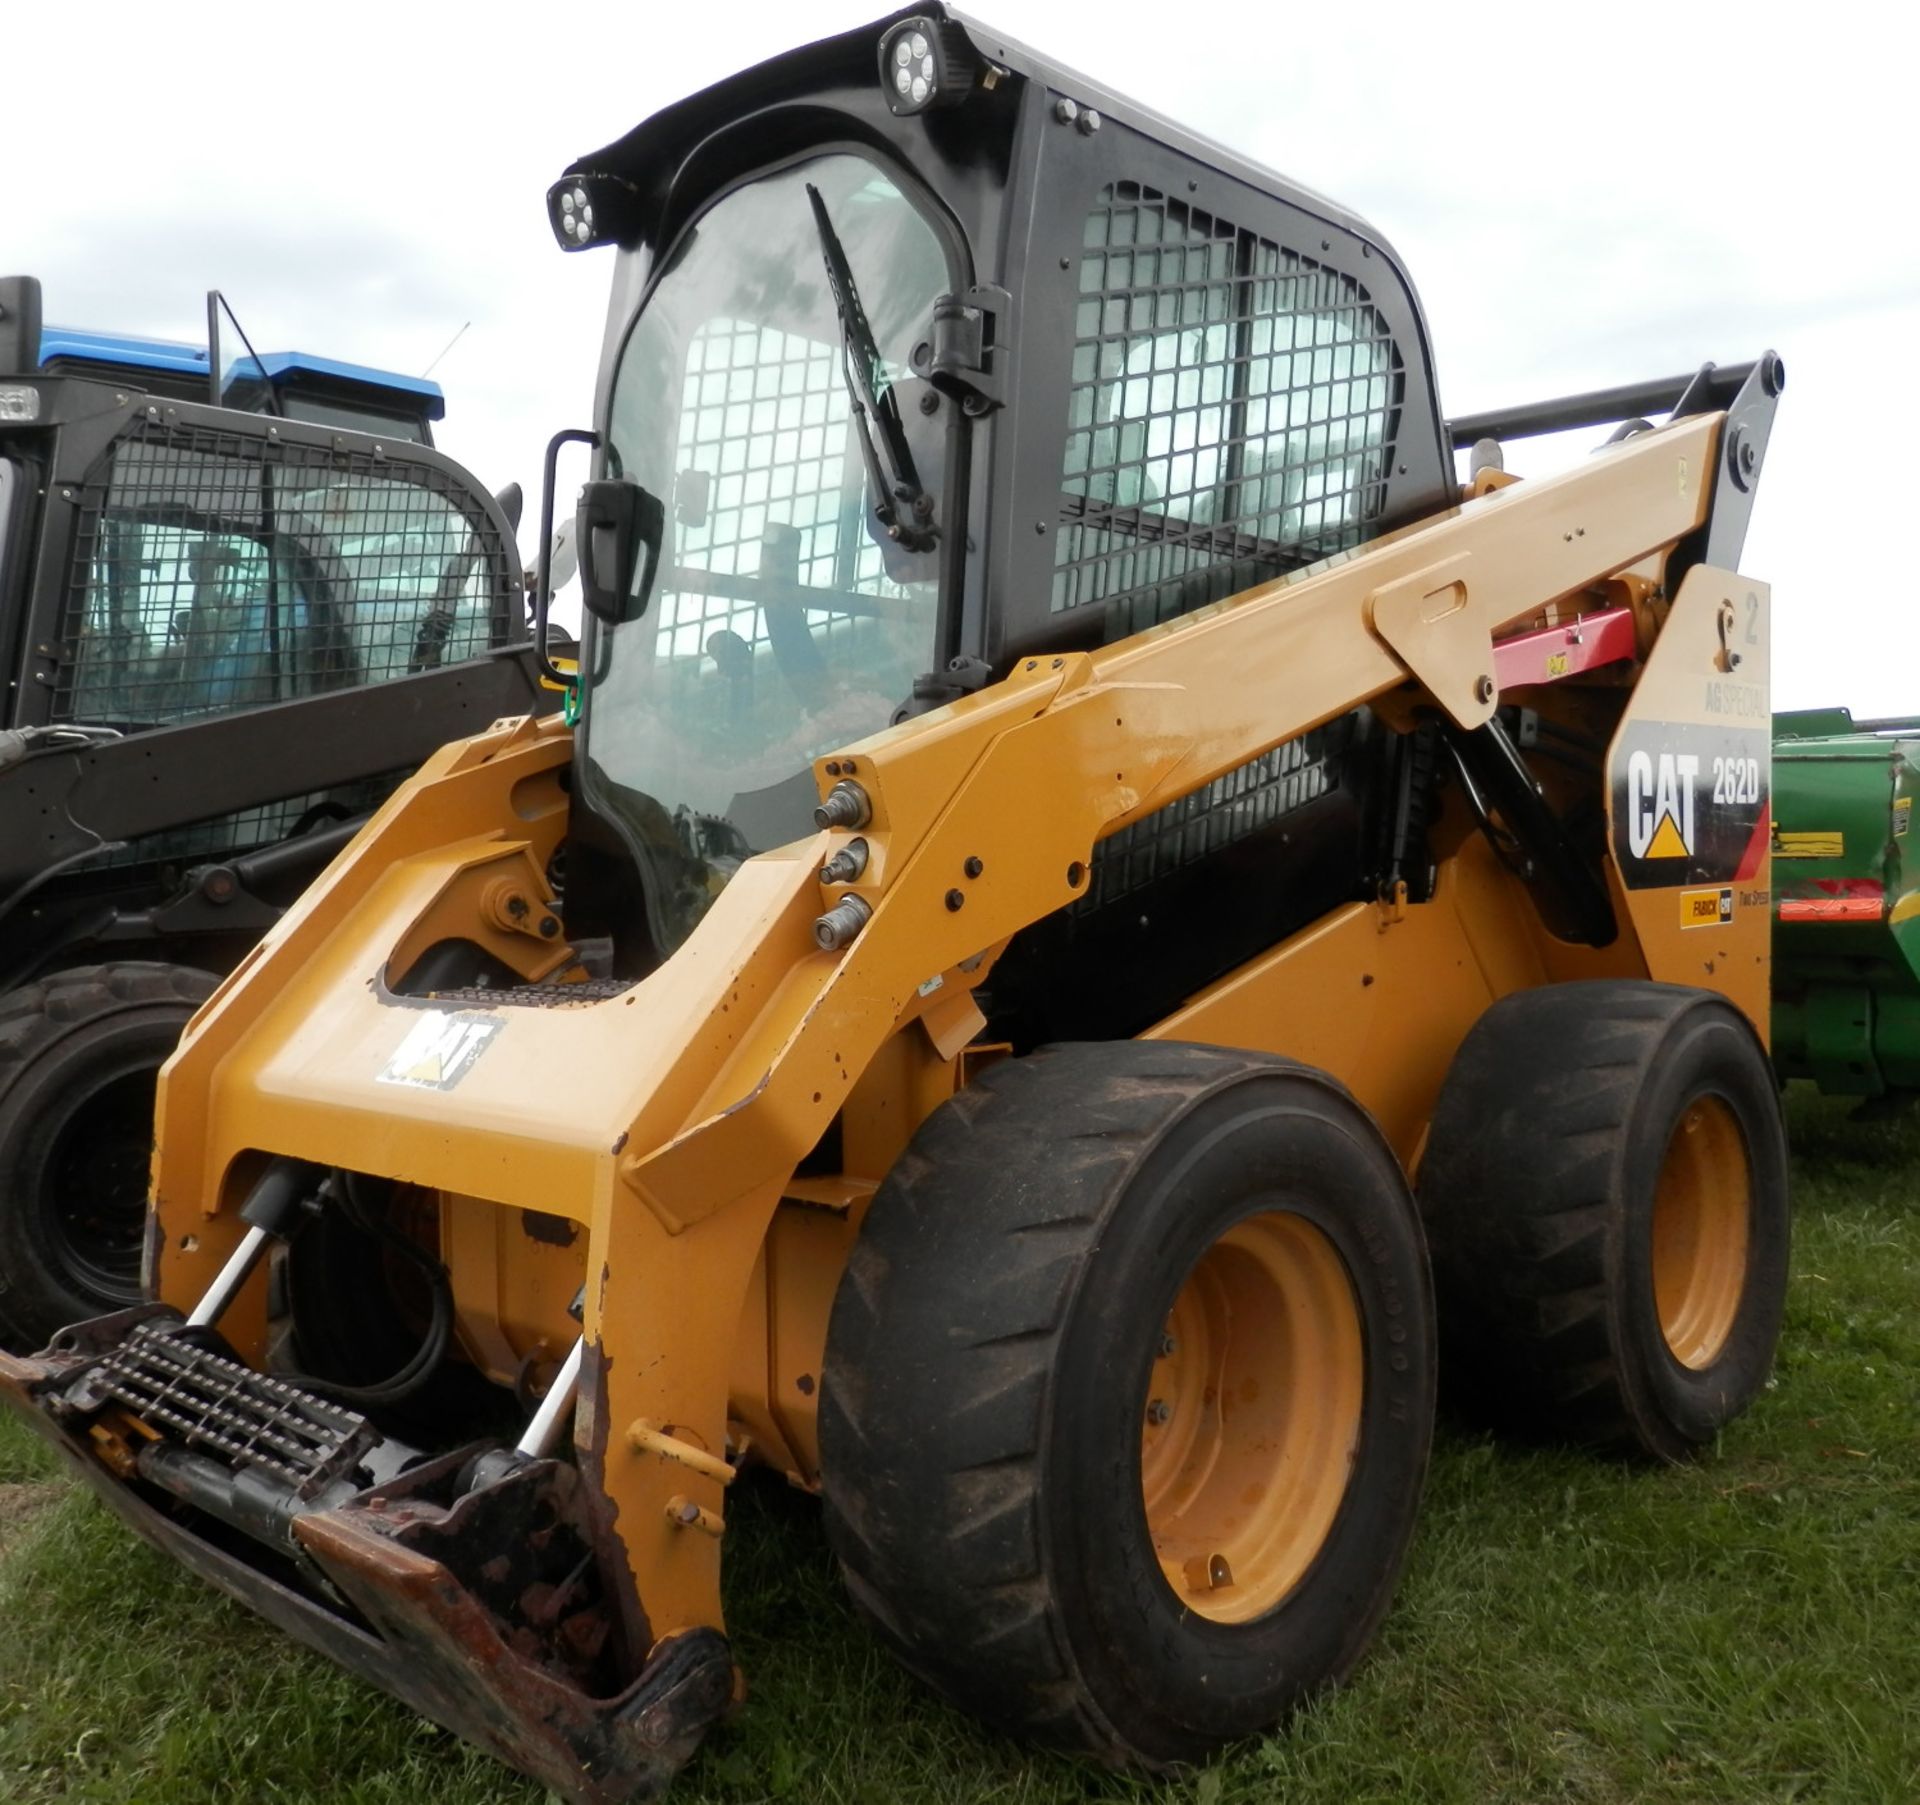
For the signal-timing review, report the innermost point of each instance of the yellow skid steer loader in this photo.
(1096, 921)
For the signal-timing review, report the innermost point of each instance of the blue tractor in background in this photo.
(294, 385)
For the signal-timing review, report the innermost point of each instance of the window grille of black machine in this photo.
(1232, 414)
(215, 571)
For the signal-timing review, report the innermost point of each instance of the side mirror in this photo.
(615, 521)
(511, 501)
(565, 564)
(19, 325)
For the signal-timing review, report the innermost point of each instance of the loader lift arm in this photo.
(1139, 724)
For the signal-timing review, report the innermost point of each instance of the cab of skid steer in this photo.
(1221, 378)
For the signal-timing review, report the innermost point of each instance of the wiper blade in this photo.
(900, 504)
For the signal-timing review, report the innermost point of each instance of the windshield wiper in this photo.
(900, 504)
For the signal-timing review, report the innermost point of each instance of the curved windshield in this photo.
(786, 619)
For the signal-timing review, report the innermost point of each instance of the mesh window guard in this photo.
(216, 571)
(1232, 412)
(772, 491)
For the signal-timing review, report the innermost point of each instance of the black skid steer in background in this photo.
(227, 632)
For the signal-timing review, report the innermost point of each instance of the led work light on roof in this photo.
(579, 205)
(926, 63)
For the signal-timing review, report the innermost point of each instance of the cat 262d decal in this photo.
(1689, 803)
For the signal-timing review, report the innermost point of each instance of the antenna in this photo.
(444, 349)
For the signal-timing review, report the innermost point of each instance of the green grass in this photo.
(1744, 1629)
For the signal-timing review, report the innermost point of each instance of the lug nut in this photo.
(846, 864)
(846, 806)
(1158, 1412)
(838, 926)
(1167, 1347)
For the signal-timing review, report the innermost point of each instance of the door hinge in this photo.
(971, 342)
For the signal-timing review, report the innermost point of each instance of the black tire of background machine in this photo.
(1537, 1191)
(986, 1367)
(79, 1051)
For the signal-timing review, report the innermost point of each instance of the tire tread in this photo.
(956, 1582)
(1518, 1195)
(35, 1017)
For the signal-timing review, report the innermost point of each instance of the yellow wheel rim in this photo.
(1252, 1417)
(1700, 1225)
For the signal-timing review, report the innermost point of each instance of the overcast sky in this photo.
(1584, 195)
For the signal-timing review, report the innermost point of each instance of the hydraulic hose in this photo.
(420, 1367)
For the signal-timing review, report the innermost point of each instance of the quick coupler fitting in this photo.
(846, 806)
(838, 926)
(846, 865)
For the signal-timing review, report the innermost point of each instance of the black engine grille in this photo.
(536, 996)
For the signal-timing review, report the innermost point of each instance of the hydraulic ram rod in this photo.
(543, 1431)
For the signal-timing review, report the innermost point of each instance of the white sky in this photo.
(1584, 195)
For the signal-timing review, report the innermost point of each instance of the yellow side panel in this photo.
(1380, 1001)
(1690, 775)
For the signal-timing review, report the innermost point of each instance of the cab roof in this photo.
(649, 156)
(172, 357)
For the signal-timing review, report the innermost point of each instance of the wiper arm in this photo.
(900, 504)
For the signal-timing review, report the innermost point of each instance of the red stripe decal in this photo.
(1757, 845)
(1831, 908)
(1836, 899)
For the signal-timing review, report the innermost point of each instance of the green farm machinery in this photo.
(1846, 871)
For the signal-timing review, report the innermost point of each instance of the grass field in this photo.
(1745, 1629)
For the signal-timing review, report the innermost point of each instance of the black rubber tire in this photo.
(79, 1052)
(1537, 1189)
(988, 1359)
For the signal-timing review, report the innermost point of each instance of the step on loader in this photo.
(239, 601)
(1098, 924)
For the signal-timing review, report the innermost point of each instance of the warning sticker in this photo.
(1809, 845)
(1690, 803)
(1706, 908)
(1902, 816)
(440, 1048)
